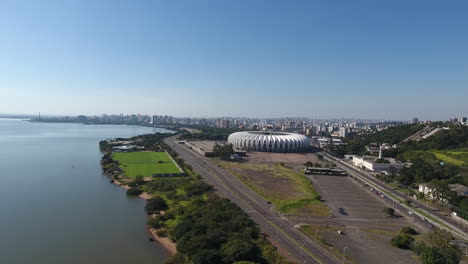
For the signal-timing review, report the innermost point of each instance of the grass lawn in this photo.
(290, 192)
(144, 163)
(454, 157)
(457, 157)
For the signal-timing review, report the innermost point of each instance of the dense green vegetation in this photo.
(144, 163)
(356, 144)
(436, 250)
(206, 228)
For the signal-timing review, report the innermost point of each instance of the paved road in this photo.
(459, 230)
(281, 230)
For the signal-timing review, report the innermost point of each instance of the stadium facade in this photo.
(269, 141)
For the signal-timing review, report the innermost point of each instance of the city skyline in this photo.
(262, 59)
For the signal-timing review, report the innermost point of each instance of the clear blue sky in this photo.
(369, 59)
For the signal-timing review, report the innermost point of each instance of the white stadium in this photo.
(269, 141)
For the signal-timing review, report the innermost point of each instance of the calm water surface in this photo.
(51, 212)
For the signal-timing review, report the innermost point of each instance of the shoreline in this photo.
(165, 242)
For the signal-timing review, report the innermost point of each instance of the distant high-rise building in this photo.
(343, 132)
(222, 123)
(414, 120)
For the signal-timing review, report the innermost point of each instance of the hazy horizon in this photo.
(362, 59)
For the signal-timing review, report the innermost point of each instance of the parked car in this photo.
(410, 212)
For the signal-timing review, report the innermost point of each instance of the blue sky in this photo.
(322, 59)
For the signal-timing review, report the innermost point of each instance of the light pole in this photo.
(300, 250)
(344, 254)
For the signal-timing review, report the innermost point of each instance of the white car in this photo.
(410, 212)
(383, 196)
(423, 218)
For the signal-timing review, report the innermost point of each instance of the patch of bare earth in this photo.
(287, 158)
(269, 182)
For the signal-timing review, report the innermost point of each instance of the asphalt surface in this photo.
(281, 230)
(418, 220)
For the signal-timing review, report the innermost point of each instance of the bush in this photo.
(178, 258)
(134, 191)
(155, 204)
(154, 223)
(402, 241)
(389, 211)
(408, 230)
(161, 233)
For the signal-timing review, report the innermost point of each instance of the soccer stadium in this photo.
(269, 141)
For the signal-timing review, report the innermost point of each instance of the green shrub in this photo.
(402, 241)
(161, 233)
(134, 191)
(156, 204)
(408, 230)
(154, 223)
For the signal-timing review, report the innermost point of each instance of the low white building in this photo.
(369, 163)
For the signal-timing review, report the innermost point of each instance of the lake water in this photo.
(56, 206)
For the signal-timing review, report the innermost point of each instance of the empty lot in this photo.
(349, 199)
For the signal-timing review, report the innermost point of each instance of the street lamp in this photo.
(300, 250)
(344, 254)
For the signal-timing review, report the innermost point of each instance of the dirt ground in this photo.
(268, 180)
(289, 191)
(287, 158)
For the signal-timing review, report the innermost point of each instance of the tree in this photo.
(134, 191)
(178, 258)
(309, 164)
(402, 241)
(155, 204)
(209, 256)
(319, 156)
(389, 211)
(435, 255)
(223, 151)
(236, 250)
(408, 230)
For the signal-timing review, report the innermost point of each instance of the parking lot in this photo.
(348, 198)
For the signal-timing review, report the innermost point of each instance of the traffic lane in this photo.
(258, 216)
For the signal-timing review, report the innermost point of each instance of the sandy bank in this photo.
(164, 241)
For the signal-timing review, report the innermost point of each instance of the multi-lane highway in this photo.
(298, 246)
(422, 215)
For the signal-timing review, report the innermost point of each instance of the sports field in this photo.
(144, 163)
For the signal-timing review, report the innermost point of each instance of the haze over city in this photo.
(359, 59)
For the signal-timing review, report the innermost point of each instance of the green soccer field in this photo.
(144, 163)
